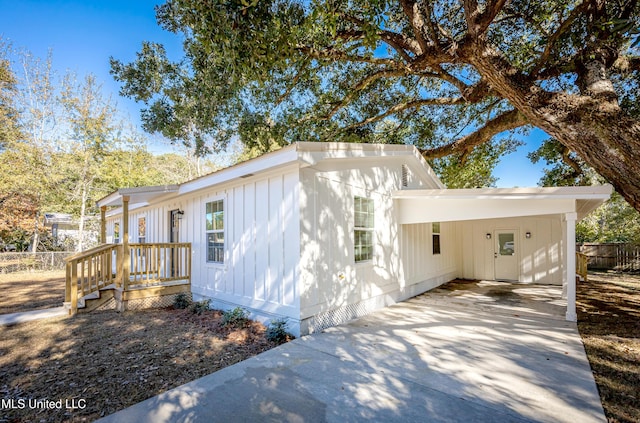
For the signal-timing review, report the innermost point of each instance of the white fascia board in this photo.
(430, 178)
(156, 189)
(423, 210)
(276, 159)
(312, 153)
(599, 192)
(110, 200)
(137, 194)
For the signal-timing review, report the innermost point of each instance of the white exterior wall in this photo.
(333, 287)
(541, 256)
(262, 242)
(261, 246)
(420, 265)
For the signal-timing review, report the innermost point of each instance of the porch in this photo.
(125, 275)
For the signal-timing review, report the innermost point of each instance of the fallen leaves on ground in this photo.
(608, 307)
(107, 361)
(26, 291)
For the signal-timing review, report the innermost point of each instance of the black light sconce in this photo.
(180, 214)
(488, 236)
(527, 235)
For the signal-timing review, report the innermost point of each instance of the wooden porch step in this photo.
(96, 299)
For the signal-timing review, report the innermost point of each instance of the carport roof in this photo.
(434, 205)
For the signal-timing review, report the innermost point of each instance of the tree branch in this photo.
(417, 22)
(507, 121)
(342, 56)
(492, 9)
(574, 165)
(356, 89)
(400, 42)
(478, 21)
(414, 104)
(555, 36)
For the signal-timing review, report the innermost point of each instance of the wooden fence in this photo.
(614, 256)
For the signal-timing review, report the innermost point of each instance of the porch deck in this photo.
(126, 272)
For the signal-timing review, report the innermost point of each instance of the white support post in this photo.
(570, 264)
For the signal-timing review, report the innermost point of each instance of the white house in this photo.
(320, 233)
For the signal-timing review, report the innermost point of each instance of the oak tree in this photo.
(447, 76)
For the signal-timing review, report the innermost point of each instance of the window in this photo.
(215, 231)
(405, 176)
(363, 229)
(116, 232)
(142, 230)
(435, 234)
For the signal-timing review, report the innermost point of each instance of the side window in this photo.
(116, 232)
(363, 229)
(142, 230)
(215, 231)
(435, 231)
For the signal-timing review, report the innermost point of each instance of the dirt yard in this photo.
(609, 323)
(106, 361)
(102, 362)
(31, 291)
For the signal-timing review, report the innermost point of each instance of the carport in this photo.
(513, 234)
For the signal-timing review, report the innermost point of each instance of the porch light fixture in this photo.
(488, 236)
(527, 235)
(180, 214)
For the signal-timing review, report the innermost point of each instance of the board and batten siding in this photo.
(420, 264)
(541, 256)
(261, 229)
(330, 279)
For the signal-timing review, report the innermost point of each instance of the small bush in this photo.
(236, 317)
(277, 331)
(181, 301)
(200, 307)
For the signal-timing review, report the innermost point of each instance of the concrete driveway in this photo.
(482, 352)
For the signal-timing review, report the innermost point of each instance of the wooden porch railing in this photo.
(159, 263)
(582, 261)
(149, 264)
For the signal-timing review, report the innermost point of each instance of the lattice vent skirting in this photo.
(152, 302)
(341, 315)
(109, 305)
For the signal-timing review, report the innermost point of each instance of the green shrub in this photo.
(182, 301)
(200, 307)
(277, 331)
(236, 317)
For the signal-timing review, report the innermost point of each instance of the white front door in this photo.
(507, 253)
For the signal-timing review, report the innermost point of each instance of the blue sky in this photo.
(84, 34)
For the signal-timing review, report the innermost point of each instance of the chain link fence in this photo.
(40, 261)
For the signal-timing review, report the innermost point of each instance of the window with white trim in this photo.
(435, 235)
(363, 229)
(116, 232)
(142, 230)
(215, 231)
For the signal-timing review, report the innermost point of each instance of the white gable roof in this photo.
(301, 154)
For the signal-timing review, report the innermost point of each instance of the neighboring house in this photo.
(320, 233)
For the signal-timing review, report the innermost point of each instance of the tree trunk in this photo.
(592, 125)
(83, 210)
(609, 143)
